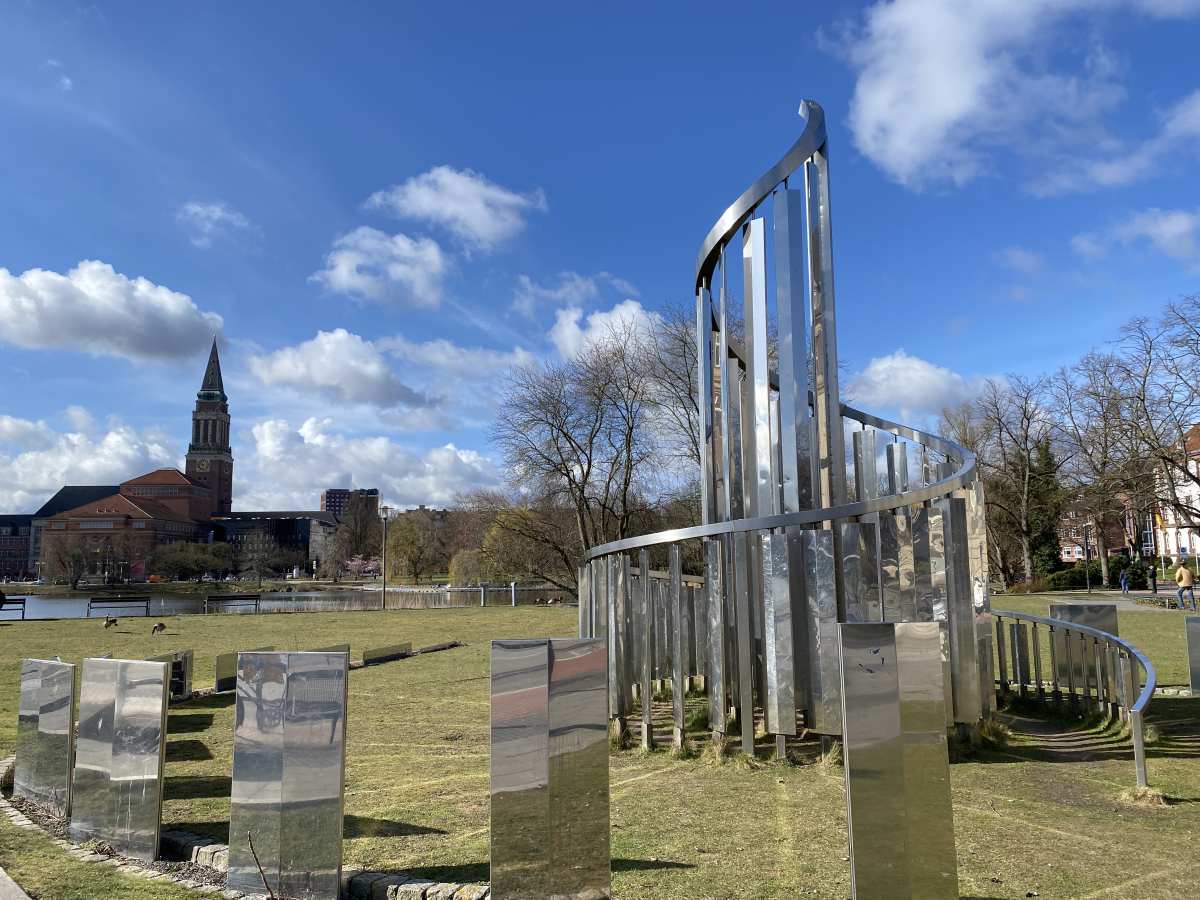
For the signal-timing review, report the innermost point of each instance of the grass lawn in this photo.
(1043, 814)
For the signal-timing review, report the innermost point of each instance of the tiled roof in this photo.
(162, 476)
(123, 505)
(73, 495)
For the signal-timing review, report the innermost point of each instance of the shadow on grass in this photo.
(210, 701)
(187, 751)
(352, 827)
(188, 723)
(479, 871)
(195, 787)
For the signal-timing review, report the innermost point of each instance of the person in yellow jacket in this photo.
(1184, 581)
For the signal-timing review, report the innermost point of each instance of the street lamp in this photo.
(383, 513)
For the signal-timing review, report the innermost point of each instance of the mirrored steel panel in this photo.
(117, 789)
(549, 765)
(780, 699)
(289, 747)
(873, 761)
(1192, 626)
(825, 711)
(932, 863)
(46, 734)
(715, 588)
(1102, 616)
(225, 668)
(180, 661)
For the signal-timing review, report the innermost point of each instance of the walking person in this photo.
(1125, 581)
(1184, 582)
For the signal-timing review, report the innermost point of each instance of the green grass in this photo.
(1043, 813)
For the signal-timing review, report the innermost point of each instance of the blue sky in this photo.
(378, 208)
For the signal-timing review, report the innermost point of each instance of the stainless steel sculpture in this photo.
(794, 541)
(289, 761)
(118, 782)
(549, 767)
(46, 734)
(896, 763)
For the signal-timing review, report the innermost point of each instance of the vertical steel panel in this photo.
(119, 755)
(180, 662)
(795, 427)
(960, 605)
(612, 621)
(779, 701)
(860, 572)
(1002, 655)
(549, 765)
(46, 734)
(661, 630)
(288, 772)
(873, 761)
(578, 827)
(923, 596)
(646, 642)
(866, 474)
(929, 822)
(1102, 616)
(827, 397)
(700, 619)
(226, 668)
(745, 641)
(897, 468)
(981, 594)
(758, 366)
(679, 640)
(584, 628)
(520, 768)
(714, 583)
(728, 391)
(625, 602)
(892, 530)
(1036, 653)
(1192, 626)
(704, 394)
(1019, 641)
(820, 610)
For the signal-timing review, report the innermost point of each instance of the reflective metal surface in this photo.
(180, 661)
(825, 710)
(549, 769)
(225, 668)
(117, 789)
(1192, 627)
(679, 670)
(289, 759)
(46, 734)
(715, 587)
(897, 768)
(780, 700)
(1101, 616)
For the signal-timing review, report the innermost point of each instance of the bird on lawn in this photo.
(158, 628)
(110, 621)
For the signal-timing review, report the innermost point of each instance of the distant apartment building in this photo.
(1077, 537)
(16, 534)
(308, 534)
(338, 500)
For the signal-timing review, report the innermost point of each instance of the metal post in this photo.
(482, 595)
(512, 589)
(384, 511)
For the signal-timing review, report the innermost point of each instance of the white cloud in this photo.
(98, 310)
(205, 222)
(288, 466)
(942, 84)
(79, 418)
(369, 264)
(572, 289)
(442, 358)
(916, 388)
(571, 332)
(36, 463)
(338, 365)
(1172, 232)
(478, 211)
(1023, 262)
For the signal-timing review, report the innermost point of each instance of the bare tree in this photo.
(416, 543)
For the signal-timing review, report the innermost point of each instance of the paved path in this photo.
(1124, 604)
(9, 889)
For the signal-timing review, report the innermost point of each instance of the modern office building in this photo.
(338, 500)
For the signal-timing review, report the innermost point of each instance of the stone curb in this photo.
(187, 846)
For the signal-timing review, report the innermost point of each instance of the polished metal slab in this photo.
(289, 759)
(1102, 616)
(780, 698)
(549, 769)
(225, 668)
(117, 787)
(180, 662)
(374, 655)
(744, 640)
(1192, 628)
(898, 605)
(824, 714)
(873, 749)
(679, 644)
(796, 426)
(860, 572)
(715, 589)
(960, 609)
(1018, 640)
(929, 818)
(45, 735)
(646, 644)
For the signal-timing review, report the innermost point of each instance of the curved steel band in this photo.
(810, 141)
(963, 476)
(1147, 666)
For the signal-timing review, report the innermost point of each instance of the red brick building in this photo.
(16, 533)
(209, 457)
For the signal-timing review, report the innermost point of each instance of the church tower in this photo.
(209, 459)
